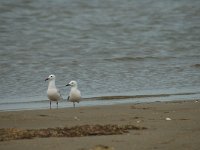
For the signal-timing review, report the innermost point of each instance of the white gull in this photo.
(52, 92)
(75, 94)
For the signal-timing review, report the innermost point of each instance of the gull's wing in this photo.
(59, 94)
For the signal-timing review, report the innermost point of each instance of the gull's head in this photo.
(51, 77)
(72, 84)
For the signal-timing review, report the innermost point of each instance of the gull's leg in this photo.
(57, 104)
(74, 104)
(50, 104)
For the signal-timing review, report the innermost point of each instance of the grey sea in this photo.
(119, 51)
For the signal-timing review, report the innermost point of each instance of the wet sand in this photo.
(180, 131)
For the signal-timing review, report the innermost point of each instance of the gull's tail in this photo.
(61, 98)
(68, 98)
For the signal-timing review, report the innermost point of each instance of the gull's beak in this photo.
(46, 79)
(68, 85)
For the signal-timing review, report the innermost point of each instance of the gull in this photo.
(75, 94)
(52, 92)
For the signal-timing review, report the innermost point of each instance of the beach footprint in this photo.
(102, 147)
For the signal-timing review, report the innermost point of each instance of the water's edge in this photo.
(101, 100)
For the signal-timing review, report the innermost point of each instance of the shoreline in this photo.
(100, 101)
(180, 131)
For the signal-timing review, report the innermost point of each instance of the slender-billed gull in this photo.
(75, 94)
(52, 92)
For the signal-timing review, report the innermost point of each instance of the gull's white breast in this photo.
(75, 95)
(53, 94)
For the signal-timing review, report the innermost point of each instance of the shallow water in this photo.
(110, 47)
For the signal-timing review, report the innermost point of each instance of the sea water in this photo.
(112, 48)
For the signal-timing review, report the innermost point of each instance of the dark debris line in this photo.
(7, 134)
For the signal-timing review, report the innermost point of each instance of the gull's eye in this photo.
(51, 76)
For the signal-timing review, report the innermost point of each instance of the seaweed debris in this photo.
(7, 134)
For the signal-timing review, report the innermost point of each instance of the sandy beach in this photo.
(167, 125)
